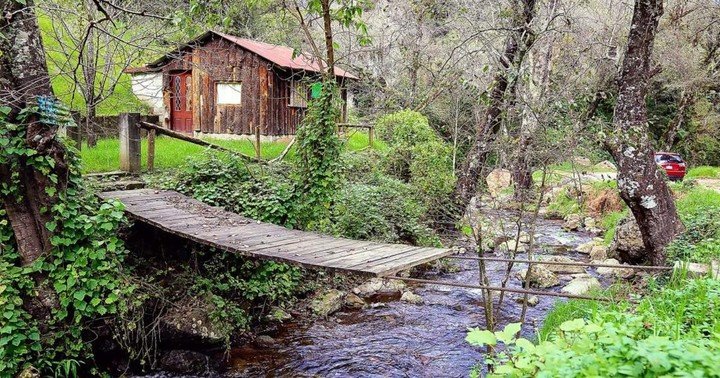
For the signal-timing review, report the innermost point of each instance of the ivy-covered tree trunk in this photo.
(515, 48)
(27, 192)
(642, 186)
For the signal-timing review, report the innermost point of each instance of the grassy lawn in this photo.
(171, 153)
(703, 172)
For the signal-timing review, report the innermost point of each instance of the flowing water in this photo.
(397, 339)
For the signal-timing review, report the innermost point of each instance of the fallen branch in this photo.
(198, 141)
(285, 152)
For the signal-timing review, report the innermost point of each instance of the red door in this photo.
(181, 103)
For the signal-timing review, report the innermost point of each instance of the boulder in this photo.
(540, 277)
(581, 284)
(327, 302)
(627, 245)
(188, 324)
(582, 161)
(185, 362)
(532, 300)
(265, 341)
(378, 286)
(605, 166)
(561, 268)
(589, 223)
(524, 237)
(697, 269)
(617, 272)
(352, 300)
(511, 246)
(498, 180)
(573, 222)
(586, 248)
(598, 253)
(410, 297)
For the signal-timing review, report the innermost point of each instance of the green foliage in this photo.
(703, 172)
(318, 153)
(416, 155)
(564, 203)
(384, 209)
(225, 180)
(674, 331)
(82, 270)
(609, 223)
(234, 283)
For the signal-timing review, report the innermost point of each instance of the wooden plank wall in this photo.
(265, 91)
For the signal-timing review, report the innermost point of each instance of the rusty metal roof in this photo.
(281, 56)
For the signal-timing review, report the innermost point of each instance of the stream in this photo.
(397, 339)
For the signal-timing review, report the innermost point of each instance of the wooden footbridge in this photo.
(188, 218)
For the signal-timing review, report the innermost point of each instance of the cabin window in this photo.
(298, 94)
(229, 93)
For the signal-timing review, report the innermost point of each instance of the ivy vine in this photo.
(83, 268)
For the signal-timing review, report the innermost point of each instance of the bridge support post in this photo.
(129, 142)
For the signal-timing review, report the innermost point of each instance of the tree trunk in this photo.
(23, 79)
(515, 48)
(685, 105)
(327, 28)
(540, 63)
(642, 186)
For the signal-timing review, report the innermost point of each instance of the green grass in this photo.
(172, 153)
(609, 223)
(703, 172)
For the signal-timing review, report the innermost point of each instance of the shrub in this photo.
(385, 210)
(674, 331)
(416, 155)
(227, 181)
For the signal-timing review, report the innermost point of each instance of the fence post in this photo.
(257, 143)
(371, 136)
(129, 142)
(151, 150)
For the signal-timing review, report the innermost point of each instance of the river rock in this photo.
(540, 277)
(379, 286)
(605, 166)
(188, 324)
(561, 268)
(512, 246)
(582, 161)
(586, 248)
(410, 297)
(617, 272)
(598, 252)
(352, 300)
(185, 362)
(532, 300)
(573, 222)
(627, 245)
(697, 269)
(498, 180)
(581, 284)
(265, 341)
(327, 302)
(524, 237)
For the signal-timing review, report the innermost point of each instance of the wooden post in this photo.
(151, 150)
(129, 142)
(257, 143)
(371, 136)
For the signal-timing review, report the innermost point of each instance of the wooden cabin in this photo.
(229, 86)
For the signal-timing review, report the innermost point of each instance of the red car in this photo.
(672, 163)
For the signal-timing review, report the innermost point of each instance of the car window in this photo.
(666, 158)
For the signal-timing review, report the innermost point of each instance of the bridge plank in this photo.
(191, 219)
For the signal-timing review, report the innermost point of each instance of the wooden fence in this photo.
(131, 124)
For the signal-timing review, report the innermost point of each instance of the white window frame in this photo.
(226, 97)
